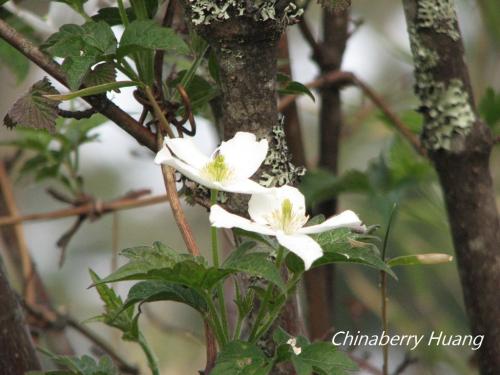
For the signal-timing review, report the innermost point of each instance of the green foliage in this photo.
(159, 262)
(289, 87)
(33, 109)
(14, 60)
(254, 264)
(342, 246)
(85, 365)
(147, 35)
(241, 358)
(100, 74)
(159, 290)
(115, 314)
(489, 107)
(393, 174)
(321, 357)
(81, 47)
(55, 156)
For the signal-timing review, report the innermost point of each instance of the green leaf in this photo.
(66, 42)
(296, 88)
(84, 365)
(99, 36)
(150, 36)
(100, 74)
(159, 290)
(115, 313)
(95, 90)
(343, 246)
(33, 109)
(325, 359)
(199, 90)
(489, 107)
(420, 259)
(158, 262)
(254, 264)
(111, 15)
(76, 68)
(241, 358)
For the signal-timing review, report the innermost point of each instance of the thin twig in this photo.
(87, 209)
(346, 78)
(100, 103)
(26, 264)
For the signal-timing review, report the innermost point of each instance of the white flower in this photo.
(281, 212)
(293, 343)
(228, 169)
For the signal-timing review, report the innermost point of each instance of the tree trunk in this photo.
(320, 284)
(17, 354)
(460, 145)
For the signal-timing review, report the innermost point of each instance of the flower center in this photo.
(217, 170)
(286, 219)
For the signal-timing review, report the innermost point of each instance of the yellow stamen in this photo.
(217, 170)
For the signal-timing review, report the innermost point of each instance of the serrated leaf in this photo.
(150, 36)
(254, 264)
(33, 109)
(100, 36)
(420, 259)
(159, 262)
(343, 246)
(100, 74)
(76, 68)
(241, 358)
(159, 290)
(84, 365)
(324, 358)
(66, 42)
(115, 314)
(94, 90)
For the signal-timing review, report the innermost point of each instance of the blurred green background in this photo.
(424, 299)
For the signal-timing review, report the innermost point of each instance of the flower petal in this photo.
(220, 218)
(243, 186)
(301, 245)
(190, 172)
(346, 219)
(186, 150)
(263, 205)
(244, 154)
(163, 155)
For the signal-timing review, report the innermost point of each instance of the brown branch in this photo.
(53, 320)
(100, 103)
(347, 78)
(393, 118)
(87, 209)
